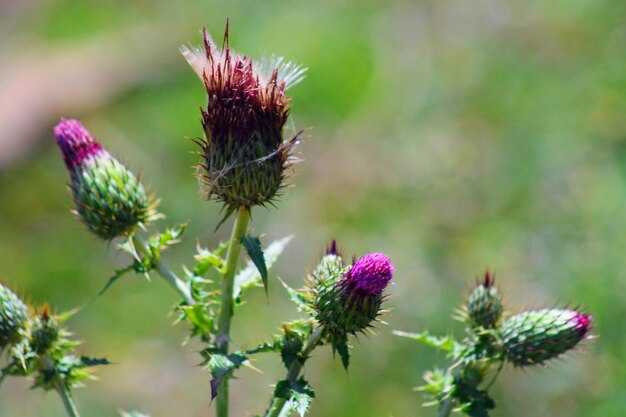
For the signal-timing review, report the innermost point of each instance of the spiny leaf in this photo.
(299, 395)
(255, 252)
(169, 237)
(196, 314)
(247, 277)
(448, 343)
(264, 347)
(221, 366)
(300, 298)
(117, 275)
(87, 361)
(132, 414)
(139, 266)
(341, 346)
(205, 260)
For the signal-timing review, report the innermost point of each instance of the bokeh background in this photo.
(454, 136)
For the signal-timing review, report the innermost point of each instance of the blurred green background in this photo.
(451, 135)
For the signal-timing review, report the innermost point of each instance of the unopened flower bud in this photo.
(244, 155)
(13, 318)
(351, 300)
(533, 337)
(484, 305)
(109, 198)
(45, 331)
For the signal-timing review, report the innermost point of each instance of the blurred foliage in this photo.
(451, 135)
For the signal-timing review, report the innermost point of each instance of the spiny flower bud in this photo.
(533, 337)
(350, 299)
(45, 331)
(13, 317)
(244, 156)
(109, 198)
(484, 305)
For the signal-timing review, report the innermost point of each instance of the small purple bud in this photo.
(582, 323)
(109, 198)
(76, 142)
(370, 274)
(533, 337)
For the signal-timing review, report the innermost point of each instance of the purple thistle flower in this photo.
(76, 143)
(370, 274)
(245, 158)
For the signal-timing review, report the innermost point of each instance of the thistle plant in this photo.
(245, 161)
(37, 346)
(493, 338)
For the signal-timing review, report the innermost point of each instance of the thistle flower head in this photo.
(484, 305)
(348, 300)
(76, 143)
(533, 337)
(45, 331)
(244, 155)
(109, 198)
(370, 274)
(13, 318)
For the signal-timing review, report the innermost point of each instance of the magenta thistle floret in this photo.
(76, 143)
(109, 198)
(348, 300)
(370, 274)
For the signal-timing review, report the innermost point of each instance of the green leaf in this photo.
(205, 260)
(264, 347)
(299, 395)
(255, 252)
(117, 275)
(250, 275)
(87, 361)
(196, 314)
(341, 346)
(169, 237)
(448, 343)
(132, 414)
(221, 367)
(300, 298)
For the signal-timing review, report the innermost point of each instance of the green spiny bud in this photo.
(245, 159)
(484, 305)
(533, 337)
(109, 198)
(348, 300)
(13, 318)
(45, 331)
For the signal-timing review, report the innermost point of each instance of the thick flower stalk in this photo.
(13, 318)
(533, 337)
(245, 159)
(109, 198)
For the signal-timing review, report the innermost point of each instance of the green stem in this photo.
(226, 312)
(68, 401)
(276, 406)
(169, 276)
(59, 385)
(446, 407)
